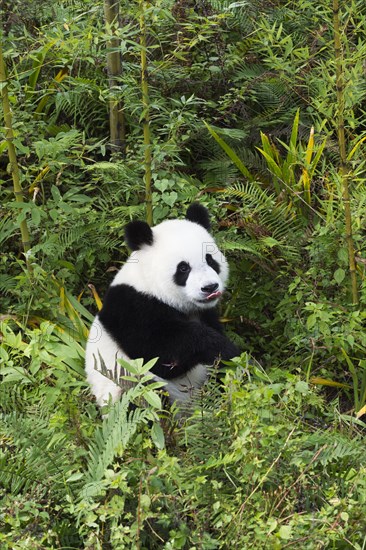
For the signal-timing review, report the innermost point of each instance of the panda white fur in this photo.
(162, 304)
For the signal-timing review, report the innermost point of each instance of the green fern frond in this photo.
(81, 103)
(7, 282)
(7, 229)
(31, 457)
(267, 223)
(111, 440)
(334, 449)
(240, 15)
(52, 147)
(252, 195)
(249, 71)
(244, 245)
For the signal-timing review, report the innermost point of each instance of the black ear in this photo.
(137, 234)
(199, 214)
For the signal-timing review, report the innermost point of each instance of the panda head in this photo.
(177, 261)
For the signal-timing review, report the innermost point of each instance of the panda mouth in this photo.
(211, 297)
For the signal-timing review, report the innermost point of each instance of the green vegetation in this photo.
(258, 111)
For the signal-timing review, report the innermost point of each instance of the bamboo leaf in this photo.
(272, 165)
(96, 296)
(305, 180)
(361, 412)
(327, 382)
(354, 149)
(294, 134)
(316, 159)
(310, 146)
(231, 154)
(270, 149)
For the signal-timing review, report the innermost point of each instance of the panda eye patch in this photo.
(213, 263)
(183, 267)
(182, 273)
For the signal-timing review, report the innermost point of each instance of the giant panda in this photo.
(162, 303)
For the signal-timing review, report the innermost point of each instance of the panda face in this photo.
(196, 286)
(177, 262)
(200, 283)
(184, 267)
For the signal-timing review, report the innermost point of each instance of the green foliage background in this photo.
(244, 117)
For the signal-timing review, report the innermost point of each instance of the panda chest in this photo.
(194, 317)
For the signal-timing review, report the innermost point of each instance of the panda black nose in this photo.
(210, 288)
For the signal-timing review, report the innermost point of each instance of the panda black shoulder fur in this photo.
(162, 304)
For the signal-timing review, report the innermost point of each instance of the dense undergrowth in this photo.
(252, 107)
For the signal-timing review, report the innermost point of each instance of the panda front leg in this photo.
(193, 358)
(190, 344)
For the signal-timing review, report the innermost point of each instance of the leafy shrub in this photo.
(261, 461)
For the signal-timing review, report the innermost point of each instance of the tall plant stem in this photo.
(117, 123)
(9, 137)
(146, 116)
(344, 168)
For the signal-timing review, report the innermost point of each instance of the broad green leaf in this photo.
(302, 387)
(170, 198)
(148, 366)
(339, 275)
(129, 367)
(351, 340)
(157, 435)
(75, 477)
(36, 215)
(272, 524)
(38, 61)
(285, 532)
(311, 320)
(342, 255)
(145, 502)
(153, 399)
(4, 355)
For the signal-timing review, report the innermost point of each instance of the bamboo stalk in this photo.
(117, 125)
(146, 116)
(344, 168)
(9, 138)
